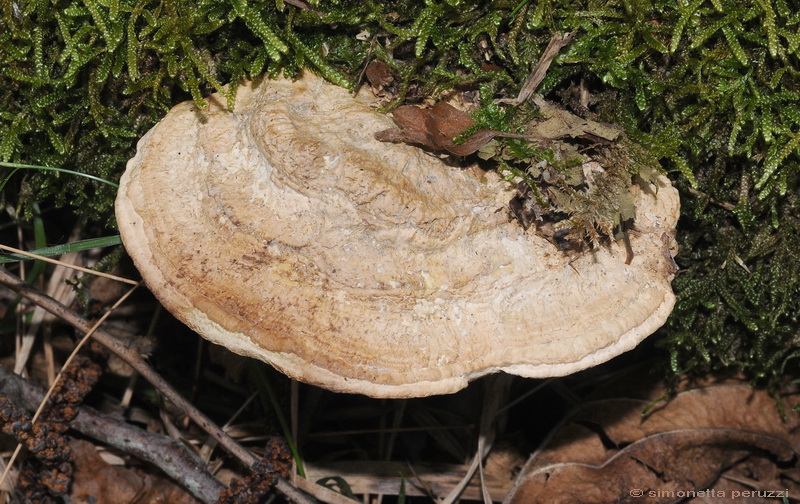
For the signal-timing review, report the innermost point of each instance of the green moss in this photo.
(708, 87)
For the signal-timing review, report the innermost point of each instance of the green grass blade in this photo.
(401, 496)
(40, 240)
(265, 388)
(18, 166)
(337, 484)
(66, 248)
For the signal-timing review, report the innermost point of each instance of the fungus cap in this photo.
(284, 231)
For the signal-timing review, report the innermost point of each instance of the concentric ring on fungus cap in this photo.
(284, 231)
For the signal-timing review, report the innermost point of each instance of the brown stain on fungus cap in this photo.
(284, 231)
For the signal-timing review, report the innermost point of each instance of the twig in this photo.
(134, 359)
(537, 76)
(360, 79)
(297, 3)
(727, 206)
(165, 453)
(67, 265)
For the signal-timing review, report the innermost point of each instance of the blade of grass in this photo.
(39, 240)
(64, 248)
(334, 482)
(20, 166)
(265, 388)
(401, 496)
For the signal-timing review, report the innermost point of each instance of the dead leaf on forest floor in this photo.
(702, 446)
(94, 480)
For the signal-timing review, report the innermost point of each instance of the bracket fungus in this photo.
(284, 231)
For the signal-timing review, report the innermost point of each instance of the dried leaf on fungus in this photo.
(559, 123)
(607, 449)
(436, 127)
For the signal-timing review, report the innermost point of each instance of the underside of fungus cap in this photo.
(284, 231)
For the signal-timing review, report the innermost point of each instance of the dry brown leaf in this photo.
(607, 451)
(96, 481)
(379, 74)
(664, 463)
(435, 128)
(412, 128)
(742, 481)
(559, 123)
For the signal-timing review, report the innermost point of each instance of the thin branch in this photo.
(297, 3)
(67, 265)
(135, 360)
(727, 206)
(537, 76)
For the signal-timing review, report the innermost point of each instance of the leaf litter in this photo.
(708, 444)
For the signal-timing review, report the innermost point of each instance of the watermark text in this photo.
(710, 492)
